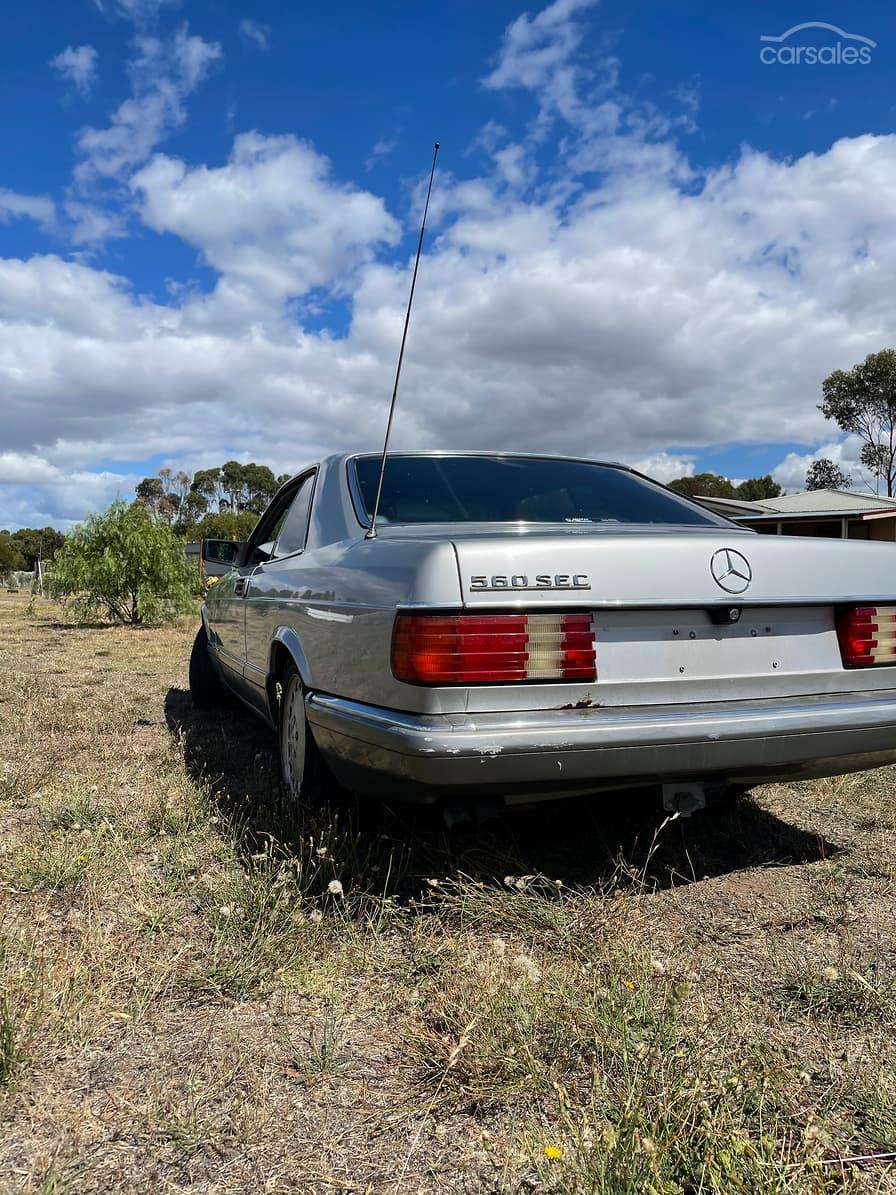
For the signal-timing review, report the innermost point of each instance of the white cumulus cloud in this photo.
(272, 219)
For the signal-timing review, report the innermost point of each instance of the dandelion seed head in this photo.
(527, 968)
(334, 888)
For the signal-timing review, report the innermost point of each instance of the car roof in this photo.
(443, 452)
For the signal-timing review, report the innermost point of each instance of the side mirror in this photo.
(228, 552)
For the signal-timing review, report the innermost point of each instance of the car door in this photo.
(226, 622)
(269, 589)
(226, 601)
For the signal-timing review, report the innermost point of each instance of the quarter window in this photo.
(294, 529)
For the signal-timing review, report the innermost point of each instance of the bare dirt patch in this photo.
(582, 997)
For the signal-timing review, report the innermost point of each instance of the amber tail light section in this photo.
(467, 649)
(867, 635)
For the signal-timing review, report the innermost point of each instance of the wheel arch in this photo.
(286, 649)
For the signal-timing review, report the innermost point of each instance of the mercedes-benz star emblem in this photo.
(730, 570)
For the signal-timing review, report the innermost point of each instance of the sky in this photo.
(655, 229)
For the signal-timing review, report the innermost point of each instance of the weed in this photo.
(326, 853)
(56, 865)
(529, 1018)
(844, 996)
(876, 1113)
(19, 1004)
(11, 1052)
(49, 1181)
(323, 1049)
(81, 812)
(676, 1123)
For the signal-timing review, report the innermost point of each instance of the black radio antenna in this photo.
(371, 533)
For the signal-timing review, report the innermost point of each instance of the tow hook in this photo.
(684, 797)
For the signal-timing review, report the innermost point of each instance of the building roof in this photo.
(730, 507)
(837, 503)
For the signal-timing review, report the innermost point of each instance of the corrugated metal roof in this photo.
(729, 506)
(833, 502)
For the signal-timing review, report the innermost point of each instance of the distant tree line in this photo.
(21, 550)
(714, 485)
(223, 502)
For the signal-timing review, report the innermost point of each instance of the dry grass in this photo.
(576, 998)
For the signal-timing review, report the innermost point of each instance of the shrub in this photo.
(126, 566)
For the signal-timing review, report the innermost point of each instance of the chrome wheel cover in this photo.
(292, 738)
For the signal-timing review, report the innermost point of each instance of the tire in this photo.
(302, 769)
(205, 684)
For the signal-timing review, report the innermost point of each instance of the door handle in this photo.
(240, 586)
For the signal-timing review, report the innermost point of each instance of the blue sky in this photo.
(646, 243)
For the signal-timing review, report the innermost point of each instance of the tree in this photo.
(754, 489)
(825, 475)
(10, 557)
(233, 481)
(166, 495)
(704, 485)
(124, 565)
(207, 485)
(36, 543)
(260, 485)
(179, 487)
(225, 525)
(193, 507)
(150, 493)
(862, 401)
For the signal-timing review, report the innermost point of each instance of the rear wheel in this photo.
(302, 770)
(205, 684)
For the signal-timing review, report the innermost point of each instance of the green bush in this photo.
(126, 566)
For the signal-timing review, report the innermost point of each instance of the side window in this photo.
(265, 534)
(294, 528)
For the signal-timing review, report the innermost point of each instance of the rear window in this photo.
(477, 489)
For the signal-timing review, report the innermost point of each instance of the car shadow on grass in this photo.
(603, 841)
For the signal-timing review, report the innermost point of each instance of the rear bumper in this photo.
(556, 751)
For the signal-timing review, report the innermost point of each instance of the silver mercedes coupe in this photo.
(526, 627)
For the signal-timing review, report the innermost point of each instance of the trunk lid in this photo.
(661, 602)
(668, 568)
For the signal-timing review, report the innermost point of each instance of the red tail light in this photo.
(867, 635)
(463, 649)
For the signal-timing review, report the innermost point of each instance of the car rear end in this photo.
(585, 656)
